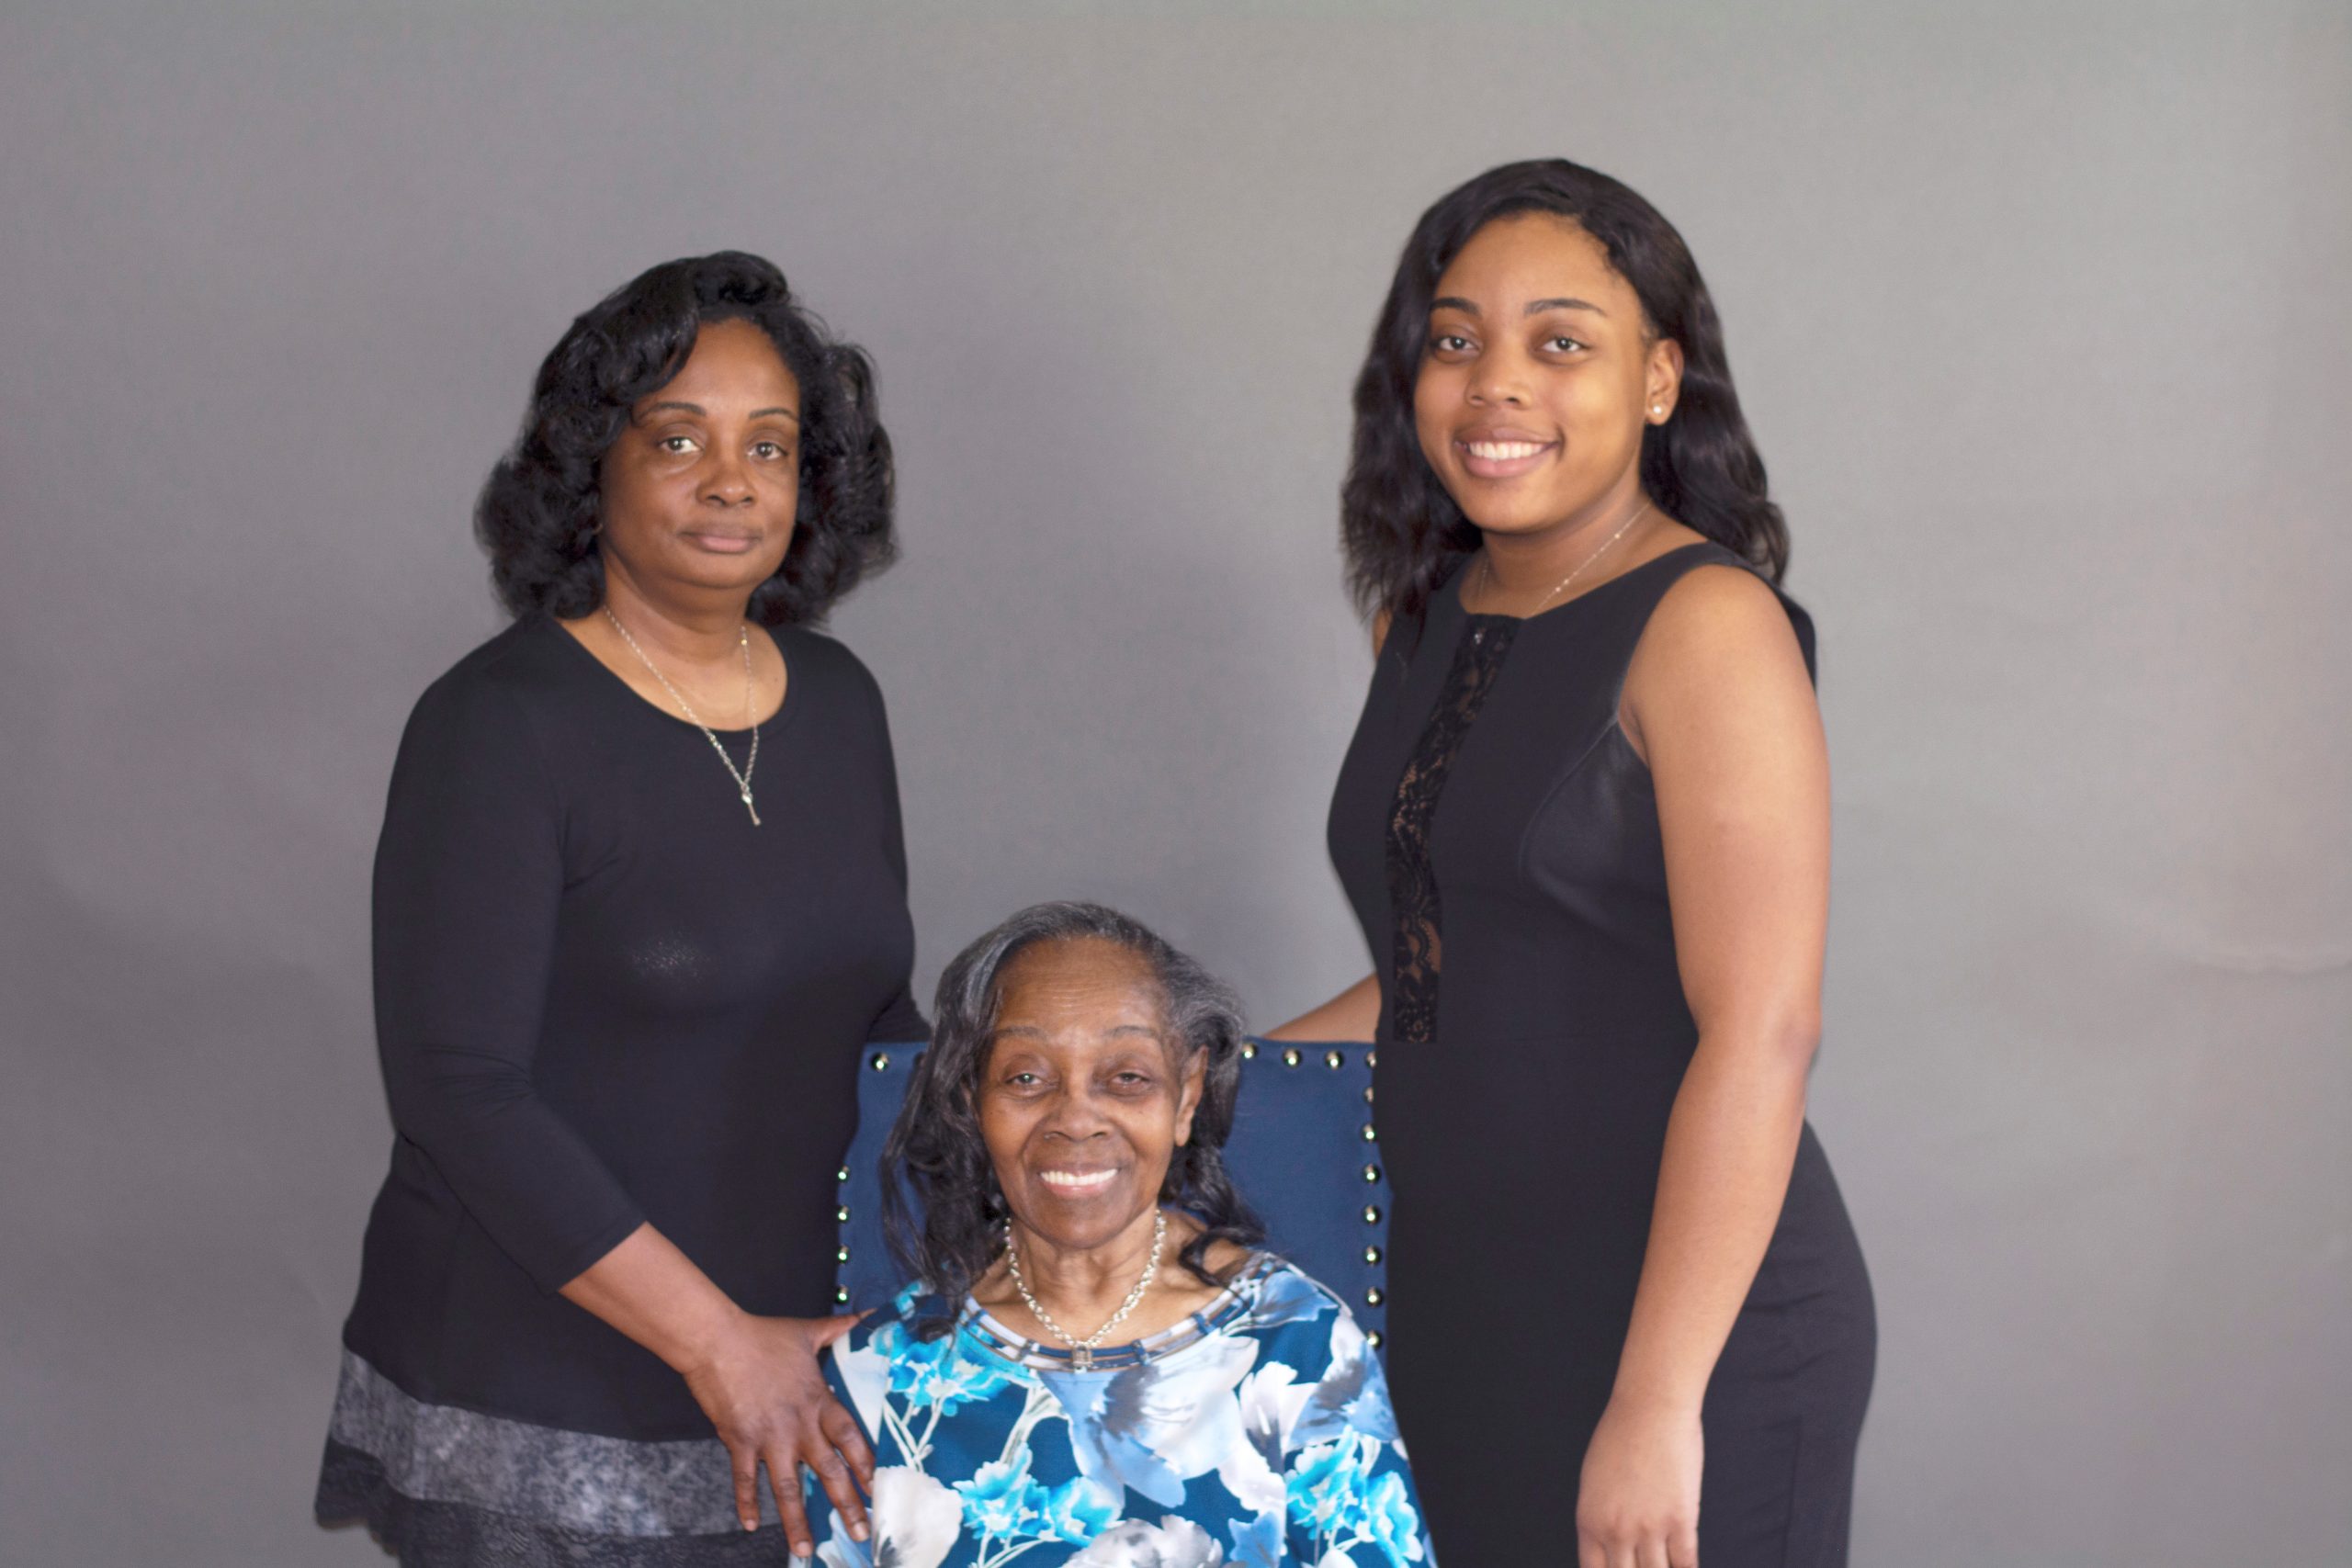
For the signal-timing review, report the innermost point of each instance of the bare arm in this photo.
(1719, 702)
(1353, 1014)
(756, 1378)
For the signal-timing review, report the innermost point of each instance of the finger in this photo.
(823, 1331)
(746, 1466)
(842, 1430)
(1590, 1553)
(1650, 1551)
(840, 1487)
(784, 1484)
(1683, 1545)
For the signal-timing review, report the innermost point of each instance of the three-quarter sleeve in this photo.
(469, 877)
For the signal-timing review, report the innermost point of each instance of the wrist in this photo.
(703, 1339)
(1660, 1398)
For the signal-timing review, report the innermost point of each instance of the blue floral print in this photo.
(1256, 1435)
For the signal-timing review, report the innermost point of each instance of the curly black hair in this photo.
(1403, 533)
(935, 1156)
(539, 511)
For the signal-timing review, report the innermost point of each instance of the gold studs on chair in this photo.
(1372, 1337)
(1333, 1060)
(840, 1215)
(1372, 1297)
(1372, 1173)
(1368, 1136)
(841, 1294)
(1372, 1255)
(842, 1175)
(841, 1255)
(1248, 1051)
(1371, 1213)
(881, 1063)
(1290, 1056)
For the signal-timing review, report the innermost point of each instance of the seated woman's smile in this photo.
(1081, 1107)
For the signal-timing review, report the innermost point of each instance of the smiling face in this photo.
(1081, 1101)
(1538, 377)
(700, 487)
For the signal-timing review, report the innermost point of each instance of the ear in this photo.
(1188, 1096)
(1662, 381)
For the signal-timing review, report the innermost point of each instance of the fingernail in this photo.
(749, 1523)
(802, 1548)
(858, 1530)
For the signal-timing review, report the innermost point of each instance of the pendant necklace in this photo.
(742, 776)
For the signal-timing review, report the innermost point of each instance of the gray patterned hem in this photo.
(438, 1453)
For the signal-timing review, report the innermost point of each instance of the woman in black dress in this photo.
(1584, 823)
(639, 900)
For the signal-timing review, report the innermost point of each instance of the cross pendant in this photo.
(750, 807)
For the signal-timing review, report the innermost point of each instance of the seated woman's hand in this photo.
(761, 1386)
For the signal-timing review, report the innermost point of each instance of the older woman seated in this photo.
(1097, 1367)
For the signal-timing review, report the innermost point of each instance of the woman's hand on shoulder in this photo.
(760, 1385)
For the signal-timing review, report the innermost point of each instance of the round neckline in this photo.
(1453, 588)
(767, 727)
(1007, 1344)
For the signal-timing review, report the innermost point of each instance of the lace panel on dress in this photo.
(1419, 950)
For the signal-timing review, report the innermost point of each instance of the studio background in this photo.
(2038, 315)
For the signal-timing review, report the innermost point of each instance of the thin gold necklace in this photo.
(742, 776)
(1486, 562)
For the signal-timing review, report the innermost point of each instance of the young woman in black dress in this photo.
(1584, 823)
(640, 901)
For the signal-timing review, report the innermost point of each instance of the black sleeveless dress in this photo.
(1498, 840)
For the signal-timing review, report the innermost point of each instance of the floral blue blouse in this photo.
(1257, 1432)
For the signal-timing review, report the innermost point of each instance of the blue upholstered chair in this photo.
(1302, 1153)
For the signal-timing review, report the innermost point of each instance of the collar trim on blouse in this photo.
(1233, 1301)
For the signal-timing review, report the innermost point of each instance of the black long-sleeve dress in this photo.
(603, 998)
(1498, 840)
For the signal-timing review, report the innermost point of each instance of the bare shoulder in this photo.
(1717, 621)
(1719, 642)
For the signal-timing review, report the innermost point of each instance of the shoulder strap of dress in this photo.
(1664, 571)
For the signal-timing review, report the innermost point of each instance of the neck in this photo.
(687, 628)
(1526, 565)
(1082, 1286)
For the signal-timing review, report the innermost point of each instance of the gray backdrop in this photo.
(2040, 315)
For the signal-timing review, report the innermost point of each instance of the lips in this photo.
(1502, 452)
(724, 541)
(1077, 1183)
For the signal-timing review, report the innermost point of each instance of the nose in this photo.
(1498, 381)
(1075, 1116)
(729, 481)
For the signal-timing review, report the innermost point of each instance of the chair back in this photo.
(1303, 1153)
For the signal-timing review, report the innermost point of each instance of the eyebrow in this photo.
(697, 408)
(1534, 307)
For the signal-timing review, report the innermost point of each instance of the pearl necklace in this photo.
(741, 777)
(1081, 1351)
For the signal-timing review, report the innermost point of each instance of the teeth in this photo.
(1069, 1179)
(1503, 451)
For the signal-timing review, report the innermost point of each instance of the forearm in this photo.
(1353, 1014)
(652, 1292)
(1730, 1141)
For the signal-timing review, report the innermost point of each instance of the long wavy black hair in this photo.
(1401, 530)
(935, 1156)
(539, 511)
